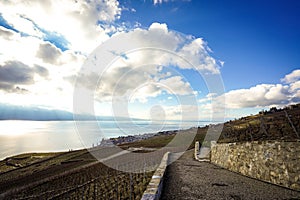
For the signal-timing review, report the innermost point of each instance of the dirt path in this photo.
(190, 179)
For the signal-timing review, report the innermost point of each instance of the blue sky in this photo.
(45, 44)
(258, 40)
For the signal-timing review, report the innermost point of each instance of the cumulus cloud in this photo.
(264, 95)
(146, 72)
(197, 52)
(136, 83)
(295, 86)
(258, 96)
(14, 75)
(120, 81)
(48, 41)
(11, 88)
(144, 92)
(49, 53)
(14, 72)
(42, 71)
(34, 51)
(31, 50)
(292, 77)
(80, 24)
(6, 33)
(167, 47)
(77, 21)
(176, 85)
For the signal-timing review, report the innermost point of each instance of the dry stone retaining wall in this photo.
(277, 162)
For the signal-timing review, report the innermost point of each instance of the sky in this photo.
(244, 57)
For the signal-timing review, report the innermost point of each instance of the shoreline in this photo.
(53, 136)
(120, 140)
(244, 129)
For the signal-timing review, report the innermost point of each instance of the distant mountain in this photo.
(13, 112)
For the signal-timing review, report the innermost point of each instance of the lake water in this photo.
(45, 136)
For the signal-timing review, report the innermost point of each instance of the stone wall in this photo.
(153, 190)
(276, 162)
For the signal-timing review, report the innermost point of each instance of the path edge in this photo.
(154, 188)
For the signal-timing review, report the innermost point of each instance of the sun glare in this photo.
(16, 128)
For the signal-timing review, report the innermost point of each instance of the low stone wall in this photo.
(276, 162)
(153, 190)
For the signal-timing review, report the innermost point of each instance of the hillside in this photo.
(275, 124)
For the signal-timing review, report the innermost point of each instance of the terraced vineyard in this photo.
(74, 175)
(276, 124)
(94, 182)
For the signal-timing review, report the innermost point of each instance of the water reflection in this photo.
(44, 136)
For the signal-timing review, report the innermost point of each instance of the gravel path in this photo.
(190, 179)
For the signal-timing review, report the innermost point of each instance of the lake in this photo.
(47, 136)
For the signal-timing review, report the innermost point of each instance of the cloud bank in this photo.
(255, 98)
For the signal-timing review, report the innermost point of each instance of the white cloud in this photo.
(278, 93)
(46, 75)
(295, 86)
(159, 1)
(176, 85)
(173, 86)
(292, 77)
(49, 53)
(258, 96)
(139, 84)
(19, 48)
(208, 98)
(160, 27)
(6, 33)
(197, 52)
(167, 47)
(147, 67)
(147, 71)
(265, 95)
(155, 2)
(31, 50)
(170, 48)
(77, 21)
(143, 93)
(249, 100)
